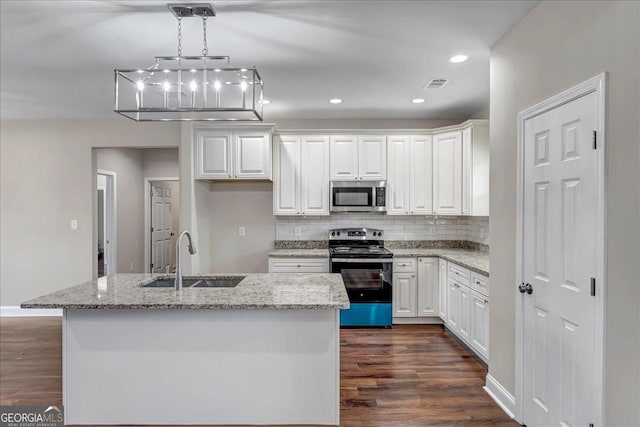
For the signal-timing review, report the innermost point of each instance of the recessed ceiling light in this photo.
(458, 58)
(265, 102)
(418, 100)
(335, 101)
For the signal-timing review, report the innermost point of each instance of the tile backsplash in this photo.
(474, 229)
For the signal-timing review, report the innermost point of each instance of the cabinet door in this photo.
(421, 175)
(398, 175)
(213, 155)
(467, 171)
(453, 305)
(372, 157)
(286, 183)
(442, 280)
(404, 295)
(428, 286)
(479, 336)
(252, 154)
(447, 173)
(344, 158)
(314, 176)
(465, 312)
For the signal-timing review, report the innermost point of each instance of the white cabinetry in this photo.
(358, 158)
(404, 294)
(409, 184)
(428, 287)
(298, 265)
(233, 153)
(475, 169)
(415, 288)
(442, 281)
(467, 313)
(447, 173)
(301, 167)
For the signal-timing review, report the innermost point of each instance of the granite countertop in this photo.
(299, 253)
(477, 261)
(279, 291)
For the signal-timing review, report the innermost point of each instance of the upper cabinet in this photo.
(358, 158)
(409, 184)
(447, 173)
(242, 153)
(461, 171)
(301, 169)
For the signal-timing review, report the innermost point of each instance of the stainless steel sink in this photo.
(211, 282)
(170, 283)
(219, 282)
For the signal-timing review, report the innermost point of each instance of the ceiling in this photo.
(57, 57)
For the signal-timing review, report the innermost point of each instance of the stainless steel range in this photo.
(359, 255)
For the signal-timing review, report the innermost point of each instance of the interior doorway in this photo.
(106, 194)
(162, 219)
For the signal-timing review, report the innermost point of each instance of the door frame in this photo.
(147, 216)
(597, 84)
(110, 220)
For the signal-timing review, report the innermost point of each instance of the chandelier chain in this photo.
(179, 35)
(205, 48)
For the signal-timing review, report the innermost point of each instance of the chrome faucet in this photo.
(192, 251)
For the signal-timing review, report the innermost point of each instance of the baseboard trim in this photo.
(417, 321)
(502, 397)
(16, 311)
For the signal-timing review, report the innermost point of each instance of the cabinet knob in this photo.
(413, 275)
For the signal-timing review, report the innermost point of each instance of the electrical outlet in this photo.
(297, 231)
(74, 224)
(242, 231)
(131, 267)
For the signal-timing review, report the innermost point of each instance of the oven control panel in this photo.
(355, 234)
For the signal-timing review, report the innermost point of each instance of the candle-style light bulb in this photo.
(243, 86)
(139, 93)
(217, 86)
(167, 87)
(193, 86)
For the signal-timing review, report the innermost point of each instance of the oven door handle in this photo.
(364, 260)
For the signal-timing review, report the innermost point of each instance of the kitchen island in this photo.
(266, 351)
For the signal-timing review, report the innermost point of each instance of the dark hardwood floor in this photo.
(405, 376)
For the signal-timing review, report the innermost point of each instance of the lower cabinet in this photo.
(467, 312)
(298, 265)
(415, 289)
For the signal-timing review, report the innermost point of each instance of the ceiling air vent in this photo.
(436, 83)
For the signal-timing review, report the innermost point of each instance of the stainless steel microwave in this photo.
(359, 196)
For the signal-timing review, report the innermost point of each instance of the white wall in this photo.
(46, 179)
(557, 45)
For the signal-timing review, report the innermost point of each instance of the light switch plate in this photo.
(74, 224)
(242, 231)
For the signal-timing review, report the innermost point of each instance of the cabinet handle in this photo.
(486, 301)
(298, 266)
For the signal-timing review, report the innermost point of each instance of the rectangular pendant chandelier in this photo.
(189, 88)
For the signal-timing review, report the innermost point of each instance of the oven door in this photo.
(366, 279)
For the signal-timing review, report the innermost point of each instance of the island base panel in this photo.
(201, 366)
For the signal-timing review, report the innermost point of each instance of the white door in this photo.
(286, 183)
(161, 228)
(398, 182)
(404, 294)
(421, 175)
(428, 286)
(344, 158)
(372, 157)
(442, 279)
(314, 175)
(214, 156)
(560, 195)
(253, 155)
(447, 173)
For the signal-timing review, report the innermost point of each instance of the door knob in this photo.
(522, 288)
(528, 288)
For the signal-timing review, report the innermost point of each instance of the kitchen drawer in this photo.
(298, 265)
(480, 283)
(460, 274)
(404, 265)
